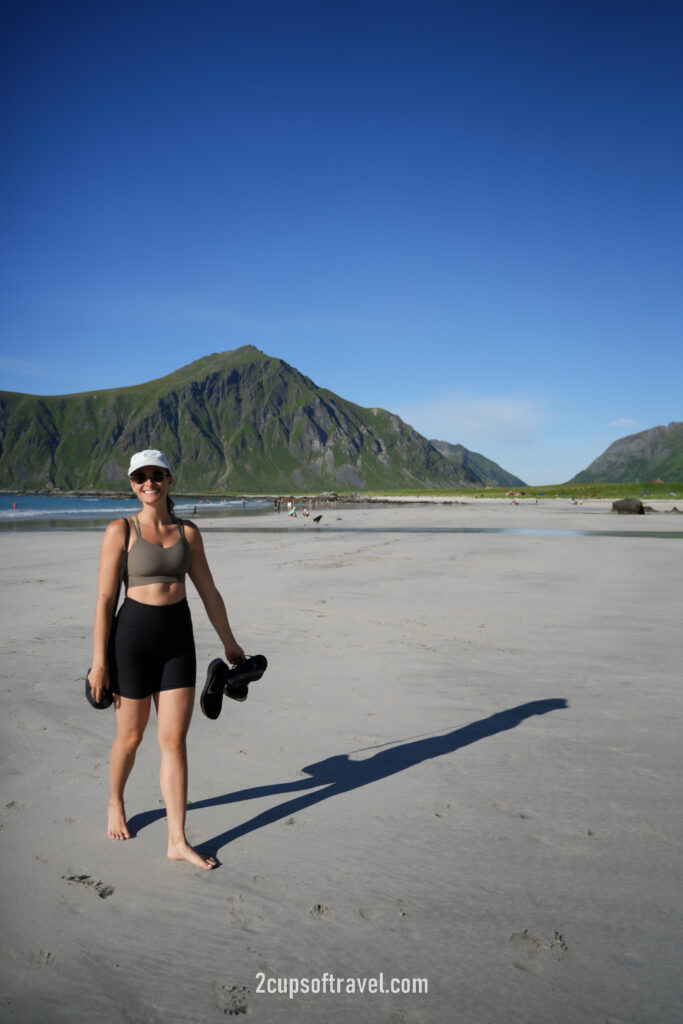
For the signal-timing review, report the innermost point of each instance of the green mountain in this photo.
(237, 421)
(473, 466)
(655, 454)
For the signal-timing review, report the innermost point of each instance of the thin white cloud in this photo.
(625, 423)
(473, 421)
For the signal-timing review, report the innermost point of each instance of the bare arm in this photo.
(108, 577)
(200, 574)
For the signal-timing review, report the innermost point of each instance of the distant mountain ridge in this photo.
(654, 454)
(489, 473)
(237, 421)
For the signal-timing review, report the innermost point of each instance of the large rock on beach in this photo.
(628, 507)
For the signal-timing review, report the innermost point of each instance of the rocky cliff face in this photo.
(472, 465)
(655, 454)
(238, 421)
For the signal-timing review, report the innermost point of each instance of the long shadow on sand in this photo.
(339, 774)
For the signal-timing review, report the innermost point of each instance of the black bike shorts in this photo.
(151, 649)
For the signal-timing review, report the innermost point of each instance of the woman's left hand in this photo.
(234, 653)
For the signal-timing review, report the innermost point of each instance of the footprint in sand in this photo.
(535, 947)
(511, 812)
(232, 999)
(378, 909)
(101, 888)
(266, 886)
(241, 912)
(35, 959)
(13, 805)
(320, 910)
(444, 811)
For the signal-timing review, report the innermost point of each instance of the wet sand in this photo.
(462, 765)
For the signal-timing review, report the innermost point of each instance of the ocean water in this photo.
(40, 511)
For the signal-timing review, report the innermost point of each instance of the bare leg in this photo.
(131, 718)
(174, 710)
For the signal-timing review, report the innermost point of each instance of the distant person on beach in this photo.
(147, 653)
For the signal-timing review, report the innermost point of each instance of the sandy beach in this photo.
(462, 767)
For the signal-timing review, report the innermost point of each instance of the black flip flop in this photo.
(105, 701)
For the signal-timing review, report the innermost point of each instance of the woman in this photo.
(151, 648)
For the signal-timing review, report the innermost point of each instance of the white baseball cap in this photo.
(150, 457)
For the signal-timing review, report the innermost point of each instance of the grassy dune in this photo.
(590, 490)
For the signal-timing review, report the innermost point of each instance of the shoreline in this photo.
(529, 514)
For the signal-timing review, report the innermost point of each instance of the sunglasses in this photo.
(156, 475)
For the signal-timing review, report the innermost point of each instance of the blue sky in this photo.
(470, 214)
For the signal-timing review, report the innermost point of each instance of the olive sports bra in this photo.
(148, 563)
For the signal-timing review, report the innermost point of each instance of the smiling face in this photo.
(150, 485)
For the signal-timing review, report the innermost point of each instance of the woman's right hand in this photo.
(98, 678)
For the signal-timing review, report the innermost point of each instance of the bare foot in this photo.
(116, 828)
(183, 851)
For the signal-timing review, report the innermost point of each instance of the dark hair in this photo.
(169, 501)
